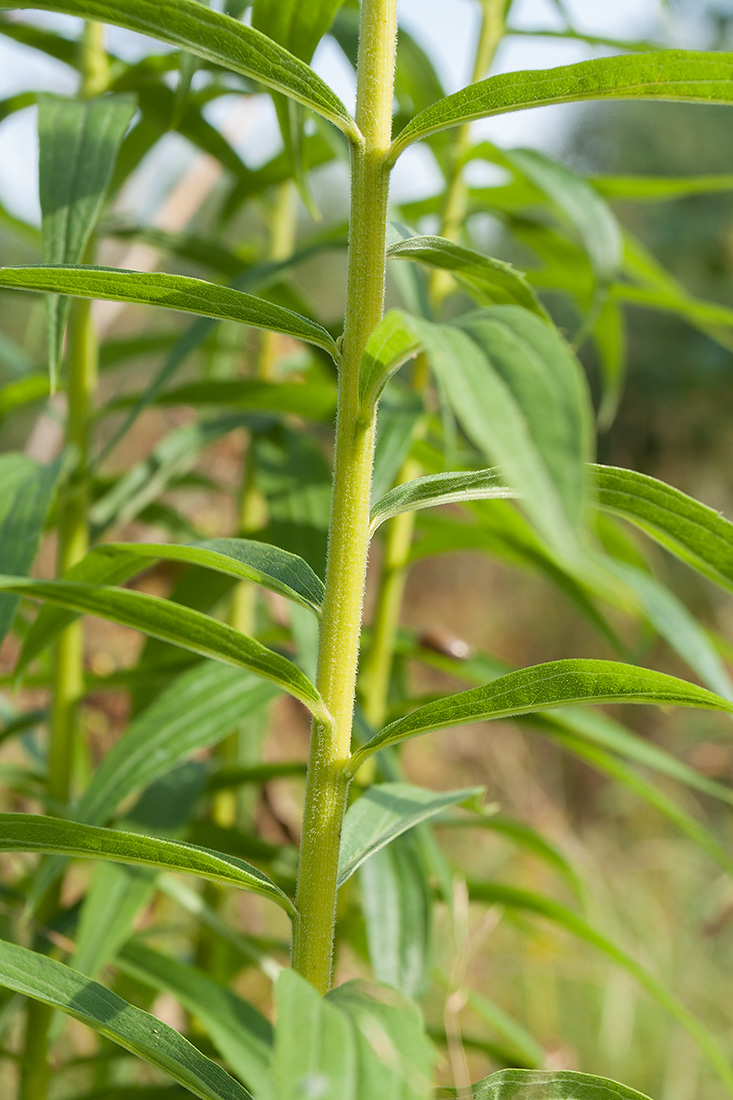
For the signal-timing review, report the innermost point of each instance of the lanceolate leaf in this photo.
(241, 1034)
(666, 74)
(177, 292)
(690, 530)
(492, 281)
(78, 144)
(54, 984)
(436, 489)
(542, 687)
(525, 902)
(196, 710)
(519, 395)
(26, 491)
(244, 559)
(174, 623)
(580, 205)
(384, 812)
(362, 1040)
(528, 1084)
(207, 33)
(35, 833)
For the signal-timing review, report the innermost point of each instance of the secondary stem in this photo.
(326, 788)
(73, 543)
(401, 529)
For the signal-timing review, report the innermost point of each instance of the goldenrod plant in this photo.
(463, 393)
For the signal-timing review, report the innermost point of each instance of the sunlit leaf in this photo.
(541, 687)
(432, 490)
(667, 74)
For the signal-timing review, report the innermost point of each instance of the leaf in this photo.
(521, 398)
(215, 37)
(658, 188)
(525, 902)
(78, 144)
(239, 1032)
(384, 812)
(542, 687)
(36, 833)
(432, 490)
(26, 491)
(493, 281)
(688, 529)
(665, 74)
(580, 205)
(59, 986)
(177, 292)
(529, 1084)
(396, 900)
(298, 25)
(360, 1042)
(390, 345)
(195, 711)
(114, 563)
(174, 623)
(310, 399)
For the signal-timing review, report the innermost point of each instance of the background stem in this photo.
(326, 787)
(398, 539)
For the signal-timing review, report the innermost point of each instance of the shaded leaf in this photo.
(384, 812)
(491, 280)
(78, 144)
(149, 1038)
(527, 1084)
(390, 345)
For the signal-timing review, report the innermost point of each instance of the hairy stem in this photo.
(326, 786)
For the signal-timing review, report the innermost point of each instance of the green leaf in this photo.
(492, 281)
(59, 986)
(529, 1084)
(580, 205)
(521, 398)
(396, 900)
(659, 188)
(26, 491)
(666, 74)
(298, 25)
(312, 400)
(215, 37)
(542, 687)
(435, 489)
(174, 623)
(239, 1032)
(194, 712)
(384, 812)
(360, 1041)
(525, 902)
(690, 530)
(177, 292)
(390, 345)
(78, 144)
(35, 833)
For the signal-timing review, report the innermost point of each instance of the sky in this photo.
(446, 28)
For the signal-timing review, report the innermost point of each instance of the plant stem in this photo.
(401, 529)
(73, 543)
(326, 787)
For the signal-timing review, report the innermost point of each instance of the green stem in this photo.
(326, 787)
(400, 532)
(73, 543)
